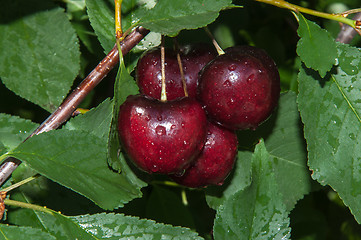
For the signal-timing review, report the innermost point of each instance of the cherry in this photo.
(148, 72)
(241, 88)
(215, 161)
(162, 137)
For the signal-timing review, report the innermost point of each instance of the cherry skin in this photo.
(148, 72)
(240, 88)
(215, 161)
(162, 137)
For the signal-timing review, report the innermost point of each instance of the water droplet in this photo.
(227, 83)
(182, 124)
(185, 142)
(220, 183)
(159, 118)
(160, 130)
(232, 67)
(172, 127)
(250, 78)
(154, 168)
(352, 136)
(147, 118)
(231, 102)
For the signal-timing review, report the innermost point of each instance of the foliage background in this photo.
(270, 194)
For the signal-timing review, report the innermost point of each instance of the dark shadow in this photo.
(315, 74)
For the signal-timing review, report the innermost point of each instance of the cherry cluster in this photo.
(192, 138)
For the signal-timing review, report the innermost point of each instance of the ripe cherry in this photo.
(215, 161)
(162, 137)
(240, 88)
(148, 71)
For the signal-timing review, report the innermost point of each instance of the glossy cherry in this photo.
(148, 72)
(215, 161)
(162, 137)
(240, 88)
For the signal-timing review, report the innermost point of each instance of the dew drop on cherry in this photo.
(160, 130)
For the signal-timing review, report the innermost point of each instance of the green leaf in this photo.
(170, 17)
(285, 143)
(77, 160)
(258, 211)
(14, 130)
(316, 48)
(239, 179)
(8, 232)
(59, 226)
(287, 149)
(331, 112)
(101, 16)
(39, 51)
(117, 226)
(124, 86)
(96, 121)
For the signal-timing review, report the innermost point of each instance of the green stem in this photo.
(296, 8)
(3, 157)
(27, 205)
(18, 184)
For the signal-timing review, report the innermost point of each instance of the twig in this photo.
(65, 110)
(347, 33)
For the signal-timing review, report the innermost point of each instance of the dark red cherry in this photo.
(240, 88)
(215, 161)
(162, 137)
(148, 71)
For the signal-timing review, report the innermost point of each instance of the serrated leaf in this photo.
(96, 121)
(39, 51)
(57, 225)
(331, 112)
(117, 227)
(287, 149)
(256, 212)
(285, 144)
(316, 48)
(77, 160)
(101, 16)
(170, 17)
(124, 86)
(14, 130)
(8, 232)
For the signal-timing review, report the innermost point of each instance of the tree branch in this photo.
(347, 33)
(65, 110)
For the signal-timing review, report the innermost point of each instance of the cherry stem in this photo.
(163, 96)
(336, 17)
(118, 19)
(179, 60)
(27, 205)
(18, 184)
(184, 197)
(215, 43)
(69, 105)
